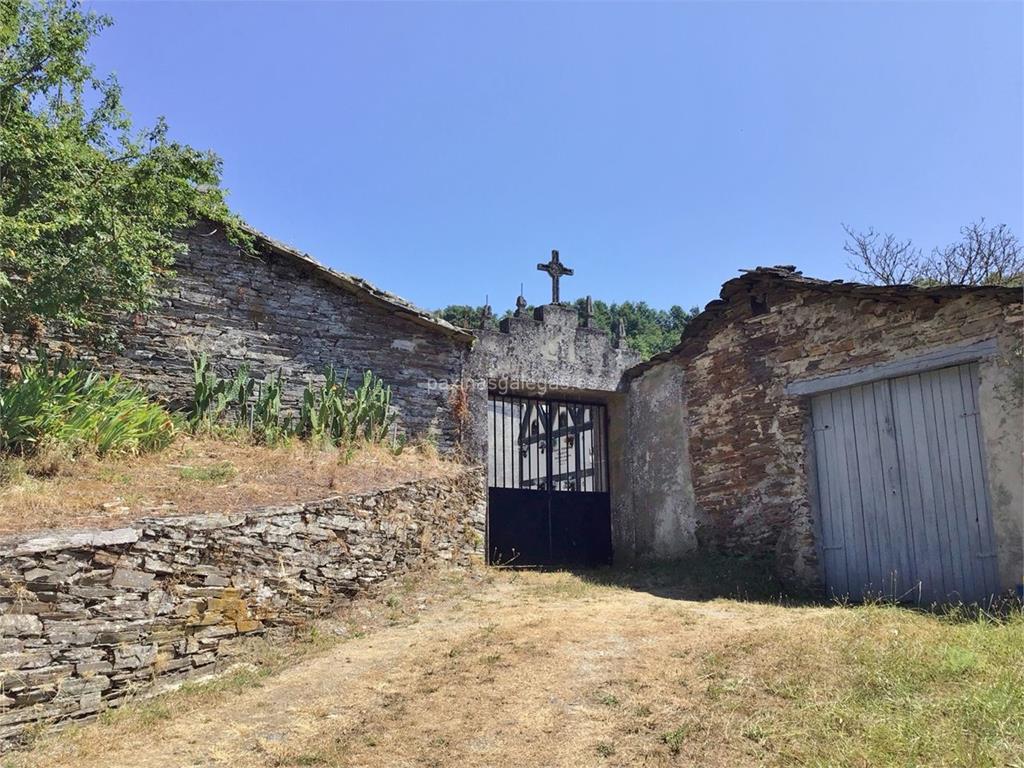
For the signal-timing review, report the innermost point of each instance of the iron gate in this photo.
(547, 474)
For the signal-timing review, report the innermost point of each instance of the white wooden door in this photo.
(901, 490)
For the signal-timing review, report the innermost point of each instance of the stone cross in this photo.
(588, 313)
(556, 270)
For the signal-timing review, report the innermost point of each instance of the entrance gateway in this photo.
(548, 502)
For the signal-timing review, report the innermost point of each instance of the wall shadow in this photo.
(704, 577)
(710, 577)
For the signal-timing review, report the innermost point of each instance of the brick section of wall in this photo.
(747, 438)
(89, 617)
(274, 313)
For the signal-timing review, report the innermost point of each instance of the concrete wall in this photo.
(278, 314)
(90, 618)
(747, 437)
(659, 519)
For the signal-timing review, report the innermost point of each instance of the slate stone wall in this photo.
(747, 438)
(88, 618)
(276, 313)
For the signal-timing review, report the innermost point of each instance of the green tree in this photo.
(89, 206)
(648, 330)
(464, 315)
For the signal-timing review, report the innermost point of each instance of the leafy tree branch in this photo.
(89, 206)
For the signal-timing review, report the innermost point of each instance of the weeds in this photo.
(675, 739)
(604, 749)
(59, 406)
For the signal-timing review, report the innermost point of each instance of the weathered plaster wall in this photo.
(747, 437)
(88, 618)
(1002, 428)
(276, 313)
(660, 519)
(531, 356)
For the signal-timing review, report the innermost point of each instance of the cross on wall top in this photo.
(556, 270)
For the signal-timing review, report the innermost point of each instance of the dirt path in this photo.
(527, 670)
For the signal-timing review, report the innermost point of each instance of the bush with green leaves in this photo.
(90, 207)
(62, 404)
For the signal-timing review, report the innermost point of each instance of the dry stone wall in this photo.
(88, 618)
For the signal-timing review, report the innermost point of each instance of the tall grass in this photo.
(61, 404)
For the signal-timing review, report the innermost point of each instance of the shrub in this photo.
(62, 404)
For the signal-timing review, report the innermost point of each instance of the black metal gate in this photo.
(547, 475)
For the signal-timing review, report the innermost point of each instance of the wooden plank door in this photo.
(863, 526)
(939, 442)
(901, 492)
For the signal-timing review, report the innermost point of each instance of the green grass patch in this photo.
(913, 689)
(216, 473)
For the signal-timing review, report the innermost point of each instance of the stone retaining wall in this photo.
(88, 618)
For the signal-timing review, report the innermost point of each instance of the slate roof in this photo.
(361, 288)
(712, 319)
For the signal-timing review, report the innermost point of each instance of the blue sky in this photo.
(442, 149)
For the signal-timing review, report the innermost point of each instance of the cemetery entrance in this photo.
(547, 475)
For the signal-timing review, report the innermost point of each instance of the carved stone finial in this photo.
(486, 314)
(520, 305)
(588, 313)
(619, 339)
(556, 269)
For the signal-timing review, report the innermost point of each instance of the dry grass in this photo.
(535, 669)
(196, 475)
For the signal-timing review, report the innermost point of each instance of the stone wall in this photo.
(88, 618)
(550, 353)
(531, 356)
(747, 438)
(278, 310)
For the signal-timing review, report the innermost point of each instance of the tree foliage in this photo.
(648, 330)
(89, 206)
(984, 255)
